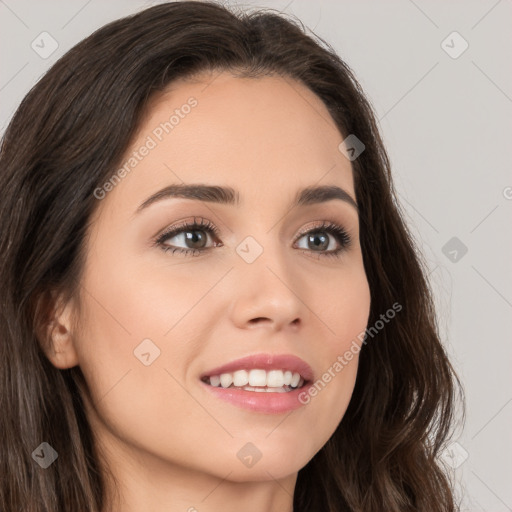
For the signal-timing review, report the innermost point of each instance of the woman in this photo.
(209, 296)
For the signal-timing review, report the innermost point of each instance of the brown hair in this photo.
(67, 138)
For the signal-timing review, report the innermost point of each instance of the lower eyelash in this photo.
(341, 236)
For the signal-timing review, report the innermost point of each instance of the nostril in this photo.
(254, 320)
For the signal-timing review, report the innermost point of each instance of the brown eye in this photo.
(318, 240)
(194, 236)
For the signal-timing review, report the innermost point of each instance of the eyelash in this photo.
(340, 234)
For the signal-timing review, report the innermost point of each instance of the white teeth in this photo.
(240, 378)
(295, 380)
(215, 380)
(258, 380)
(226, 379)
(275, 379)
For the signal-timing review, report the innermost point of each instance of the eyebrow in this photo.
(229, 196)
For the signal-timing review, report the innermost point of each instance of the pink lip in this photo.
(262, 402)
(265, 362)
(270, 403)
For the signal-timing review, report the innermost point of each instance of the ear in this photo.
(55, 330)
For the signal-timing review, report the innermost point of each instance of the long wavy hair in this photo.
(67, 138)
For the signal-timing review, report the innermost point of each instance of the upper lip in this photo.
(265, 362)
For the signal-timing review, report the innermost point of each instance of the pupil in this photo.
(324, 243)
(191, 236)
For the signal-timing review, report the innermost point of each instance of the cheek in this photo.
(344, 307)
(144, 405)
(344, 311)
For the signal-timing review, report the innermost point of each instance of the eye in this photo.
(316, 238)
(195, 234)
(190, 230)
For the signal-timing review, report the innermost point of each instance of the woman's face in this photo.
(156, 321)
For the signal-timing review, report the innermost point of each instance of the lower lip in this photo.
(260, 401)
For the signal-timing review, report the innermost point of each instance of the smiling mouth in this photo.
(280, 382)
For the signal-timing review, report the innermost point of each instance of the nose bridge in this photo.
(266, 286)
(263, 249)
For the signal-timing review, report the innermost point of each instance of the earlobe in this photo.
(55, 333)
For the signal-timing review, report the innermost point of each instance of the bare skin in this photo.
(170, 443)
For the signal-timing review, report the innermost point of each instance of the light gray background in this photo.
(447, 126)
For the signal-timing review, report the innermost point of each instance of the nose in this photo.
(267, 294)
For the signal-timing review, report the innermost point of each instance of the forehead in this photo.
(266, 137)
(244, 113)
